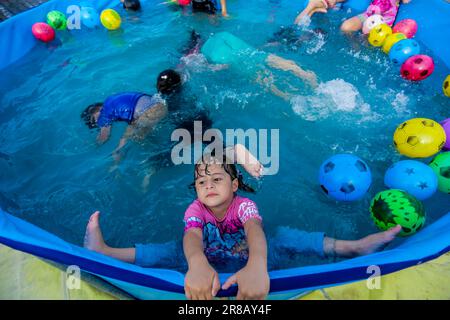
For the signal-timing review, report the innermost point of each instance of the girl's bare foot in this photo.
(93, 239)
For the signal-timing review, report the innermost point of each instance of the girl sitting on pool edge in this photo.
(388, 9)
(222, 227)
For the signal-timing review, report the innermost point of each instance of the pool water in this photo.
(54, 175)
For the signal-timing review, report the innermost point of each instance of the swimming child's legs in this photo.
(290, 66)
(353, 24)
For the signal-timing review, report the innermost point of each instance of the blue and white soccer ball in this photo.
(345, 177)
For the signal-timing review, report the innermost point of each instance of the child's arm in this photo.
(312, 7)
(406, 1)
(201, 280)
(252, 280)
(223, 4)
(104, 134)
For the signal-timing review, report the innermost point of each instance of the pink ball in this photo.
(408, 27)
(417, 68)
(184, 2)
(446, 125)
(43, 32)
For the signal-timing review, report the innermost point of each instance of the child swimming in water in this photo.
(133, 5)
(224, 50)
(210, 6)
(222, 227)
(388, 9)
(140, 110)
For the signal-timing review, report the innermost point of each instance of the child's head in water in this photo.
(133, 5)
(91, 113)
(216, 179)
(168, 81)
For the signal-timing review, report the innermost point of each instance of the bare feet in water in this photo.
(93, 239)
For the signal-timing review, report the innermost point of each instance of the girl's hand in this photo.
(201, 281)
(252, 280)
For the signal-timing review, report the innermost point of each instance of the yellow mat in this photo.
(430, 280)
(24, 277)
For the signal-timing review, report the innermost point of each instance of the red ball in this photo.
(43, 32)
(184, 2)
(408, 27)
(417, 68)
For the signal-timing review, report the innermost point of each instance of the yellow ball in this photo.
(391, 40)
(419, 138)
(378, 35)
(110, 19)
(446, 86)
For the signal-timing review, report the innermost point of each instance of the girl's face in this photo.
(214, 187)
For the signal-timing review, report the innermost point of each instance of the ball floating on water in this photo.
(417, 68)
(396, 207)
(441, 167)
(345, 177)
(391, 40)
(419, 138)
(184, 2)
(402, 50)
(446, 86)
(408, 27)
(412, 176)
(43, 32)
(371, 22)
(57, 20)
(378, 34)
(89, 17)
(110, 19)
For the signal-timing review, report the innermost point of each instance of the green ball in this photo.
(392, 207)
(441, 166)
(57, 20)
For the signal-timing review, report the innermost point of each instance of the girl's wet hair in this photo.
(134, 5)
(88, 114)
(228, 165)
(168, 81)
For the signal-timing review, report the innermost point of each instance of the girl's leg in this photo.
(298, 241)
(93, 240)
(352, 25)
(370, 244)
(146, 255)
(290, 66)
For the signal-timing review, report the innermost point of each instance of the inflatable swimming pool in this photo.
(16, 41)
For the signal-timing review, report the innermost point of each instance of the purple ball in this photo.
(446, 125)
